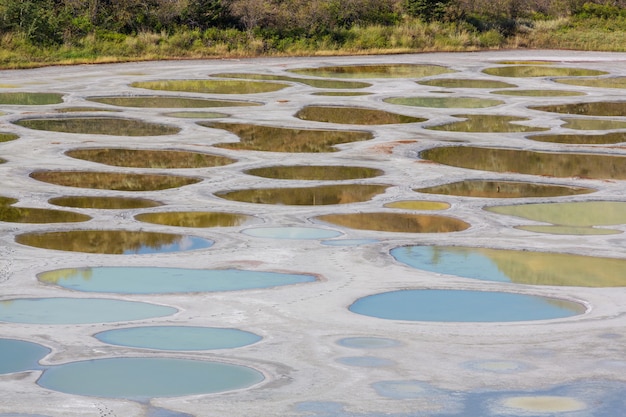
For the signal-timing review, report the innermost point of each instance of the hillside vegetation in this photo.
(43, 32)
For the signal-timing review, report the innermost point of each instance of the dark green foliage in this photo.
(427, 10)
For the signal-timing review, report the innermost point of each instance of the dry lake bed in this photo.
(419, 235)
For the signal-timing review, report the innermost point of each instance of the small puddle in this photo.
(503, 189)
(19, 356)
(7, 201)
(487, 123)
(279, 139)
(582, 139)
(81, 109)
(145, 378)
(541, 71)
(315, 172)
(516, 266)
(306, 196)
(610, 82)
(418, 205)
(568, 230)
(396, 222)
(575, 214)
(107, 203)
(353, 115)
(153, 280)
(292, 232)
(39, 215)
(196, 115)
(375, 71)
(212, 86)
(368, 342)
(444, 102)
(179, 338)
(149, 158)
(168, 102)
(539, 93)
(313, 82)
(113, 180)
(30, 99)
(195, 218)
(599, 108)
(463, 306)
(593, 124)
(340, 93)
(551, 164)
(366, 361)
(116, 242)
(7, 137)
(466, 83)
(62, 310)
(93, 125)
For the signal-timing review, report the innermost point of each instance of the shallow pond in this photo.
(539, 93)
(375, 71)
(487, 123)
(7, 137)
(396, 222)
(315, 172)
(113, 180)
(179, 338)
(306, 196)
(593, 124)
(598, 108)
(292, 232)
(340, 93)
(30, 99)
(610, 82)
(212, 86)
(353, 115)
(95, 125)
(541, 71)
(195, 218)
(418, 205)
(39, 215)
(517, 266)
(106, 203)
(153, 280)
(279, 139)
(466, 83)
(168, 102)
(196, 115)
(149, 158)
(530, 162)
(503, 189)
(5, 201)
(463, 306)
(62, 310)
(145, 378)
(444, 102)
(18, 355)
(582, 139)
(115, 242)
(313, 82)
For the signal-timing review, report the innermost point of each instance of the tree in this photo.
(427, 10)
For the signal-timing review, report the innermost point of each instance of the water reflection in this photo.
(444, 102)
(610, 82)
(117, 242)
(149, 158)
(113, 180)
(313, 82)
(39, 215)
(541, 71)
(599, 108)
(396, 222)
(353, 115)
(487, 123)
(517, 266)
(168, 102)
(212, 86)
(375, 71)
(530, 162)
(503, 189)
(463, 306)
(466, 83)
(315, 172)
(593, 124)
(94, 125)
(7, 137)
(306, 196)
(195, 218)
(581, 139)
(278, 139)
(30, 99)
(107, 203)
